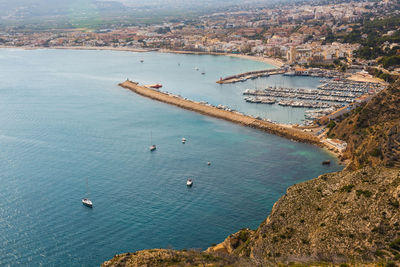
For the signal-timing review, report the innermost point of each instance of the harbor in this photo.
(223, 112)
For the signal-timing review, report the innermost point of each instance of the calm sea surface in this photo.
(63, 120)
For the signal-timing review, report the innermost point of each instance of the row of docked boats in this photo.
(306, 94)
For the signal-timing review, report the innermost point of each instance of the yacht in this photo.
(189, 182)
(87, 202)
(152, 147)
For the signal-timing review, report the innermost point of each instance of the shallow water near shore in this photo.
(64, 119)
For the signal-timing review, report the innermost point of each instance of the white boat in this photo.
(189, 182)
(86, 201)
(208, 163)
(183, 140)
(152, 147)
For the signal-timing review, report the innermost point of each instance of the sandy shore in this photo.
(271, 61)
(281, 130)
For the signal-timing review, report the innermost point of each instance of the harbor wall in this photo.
(277, 129)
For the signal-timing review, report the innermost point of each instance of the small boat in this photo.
(87, 202)
(152, 147)
(141, 61)
(208, 163)
(156, 86)
(326, 162)
(183, 140)
(196, 68)
(189, 182)
(203, 73)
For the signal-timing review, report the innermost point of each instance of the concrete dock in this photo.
(250, 75)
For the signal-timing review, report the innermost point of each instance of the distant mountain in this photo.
(75, 13)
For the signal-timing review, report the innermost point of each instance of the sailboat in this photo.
(152, 147)
(86, 201)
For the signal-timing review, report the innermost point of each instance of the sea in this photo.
(68, 131)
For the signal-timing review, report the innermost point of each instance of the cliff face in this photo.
(372, 131)
(350, 216)
(338, 217)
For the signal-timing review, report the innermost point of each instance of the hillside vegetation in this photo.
(372, 131)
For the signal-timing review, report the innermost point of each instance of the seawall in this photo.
(277, 129)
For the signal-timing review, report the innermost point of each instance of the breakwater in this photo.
(232, 116)
(250, 75)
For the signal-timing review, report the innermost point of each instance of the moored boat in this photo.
(87, 202)
(155, 86)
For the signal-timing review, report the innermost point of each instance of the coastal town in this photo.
(295, 34)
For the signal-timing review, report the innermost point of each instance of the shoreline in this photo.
(238, 118)
(277, 63)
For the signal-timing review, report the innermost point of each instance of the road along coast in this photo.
(232, 116)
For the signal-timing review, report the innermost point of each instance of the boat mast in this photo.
(87, 188)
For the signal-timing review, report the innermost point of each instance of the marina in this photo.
(328, 97)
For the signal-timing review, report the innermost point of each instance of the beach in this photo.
(268, 60)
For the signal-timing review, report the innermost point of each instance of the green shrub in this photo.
(331, 124)
(376, 152)
(365, 193)
(395, 244)
(347, 188)
(394, 203)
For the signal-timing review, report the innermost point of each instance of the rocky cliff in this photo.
(351, 216)
(372, 131)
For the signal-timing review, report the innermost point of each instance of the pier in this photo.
(250, 75)
(222, 112)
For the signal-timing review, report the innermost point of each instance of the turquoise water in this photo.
(64, 119)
